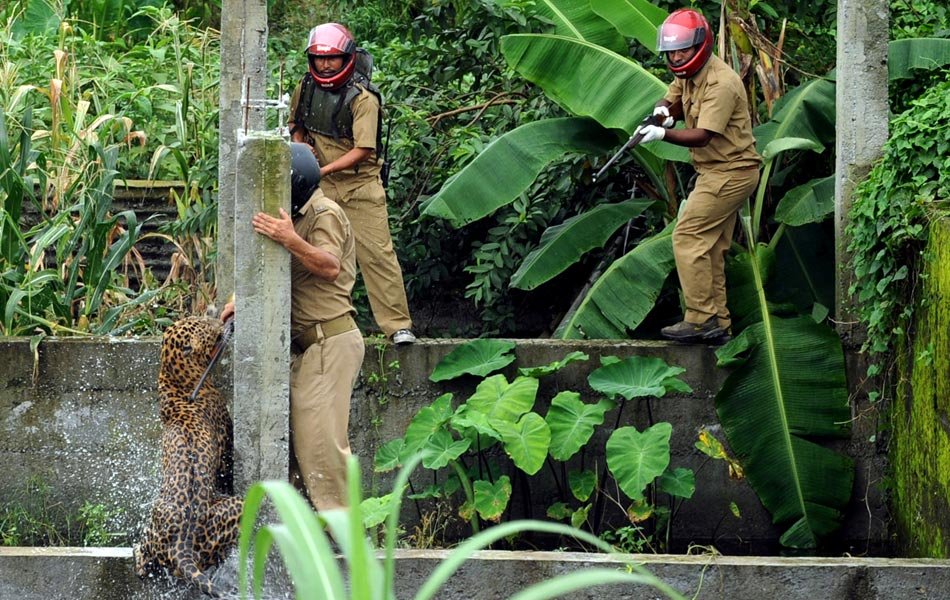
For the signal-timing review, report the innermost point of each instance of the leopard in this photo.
(194, 521)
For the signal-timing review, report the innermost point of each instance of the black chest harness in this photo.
(330, 112)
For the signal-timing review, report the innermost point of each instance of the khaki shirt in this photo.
(323, 224)
(715, 99)
(341, 184)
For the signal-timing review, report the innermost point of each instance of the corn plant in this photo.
(69, 263)
(313, 566)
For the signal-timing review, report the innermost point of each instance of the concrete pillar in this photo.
(862, 115)
(261, 354)
(243, 60)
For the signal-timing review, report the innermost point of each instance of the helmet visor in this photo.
(671, 36)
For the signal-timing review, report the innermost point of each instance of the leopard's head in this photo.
(187, 346)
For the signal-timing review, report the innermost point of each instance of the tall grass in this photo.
(313, 567)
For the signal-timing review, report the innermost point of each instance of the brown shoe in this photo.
(694, 332)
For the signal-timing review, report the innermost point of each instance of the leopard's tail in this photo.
(189, 570)
(186, 560)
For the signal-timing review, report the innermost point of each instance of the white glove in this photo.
(663, 111)
(650, 133)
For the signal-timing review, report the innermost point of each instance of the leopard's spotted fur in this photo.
(194, 521)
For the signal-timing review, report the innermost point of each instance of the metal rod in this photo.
(222, 342)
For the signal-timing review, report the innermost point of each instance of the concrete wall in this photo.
(920, 446)
(106, 574)
(89, 428)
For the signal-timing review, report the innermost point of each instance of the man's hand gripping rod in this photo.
(635, 139)
(216, 353)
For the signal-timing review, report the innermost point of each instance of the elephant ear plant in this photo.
(497, 435)
(316, 572)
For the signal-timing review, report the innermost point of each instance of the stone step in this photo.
(106, 574)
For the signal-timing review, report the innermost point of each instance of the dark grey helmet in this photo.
(304, 175)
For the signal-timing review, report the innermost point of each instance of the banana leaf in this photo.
(614, 90)
(577, 20)
(811, 202)
(623, 296)
(807, 112)
(787, 392)
(562, 245)
(510, 163)
(903, 56)
(638, 19)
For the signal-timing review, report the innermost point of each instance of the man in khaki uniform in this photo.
(709, 96)
(336, 110)
(326, 343)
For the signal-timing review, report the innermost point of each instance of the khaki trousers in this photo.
(702, 237)
(366, 209)
(321, 383)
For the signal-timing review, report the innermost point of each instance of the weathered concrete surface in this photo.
(862, 114)
(920, 412)
(106, 574)
(261, 347)
(90, 427)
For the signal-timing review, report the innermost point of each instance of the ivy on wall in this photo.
(889, 220)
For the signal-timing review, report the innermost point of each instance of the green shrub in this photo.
(904, 192)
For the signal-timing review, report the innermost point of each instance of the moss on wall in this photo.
(920, 446)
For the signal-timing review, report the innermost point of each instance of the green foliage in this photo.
(67, 263)
(312, 564)
(889, 219)
(502, 415)
(31, 516)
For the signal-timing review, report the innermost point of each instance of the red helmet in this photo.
(685, 28)
(328, 40)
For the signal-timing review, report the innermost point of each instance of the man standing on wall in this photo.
(709, 96)
(336, 110)
(327, 345)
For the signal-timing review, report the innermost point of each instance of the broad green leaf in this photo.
(499, 400)
(470, 423)
(429, 420)
(744, 299)
(442, 448)
(635, 459)
(612, 89)
(579, 517)
(375, 510)
(553, 367)
(811, 202)
(558, 511)
(39, 17)
(787, 394)
(388, 455)
(637, 376)
(776, 147)
(627, 291)
(577, 20)
(582, 483)
(511, 163)
(572, 423)
(478, 357)
(639, 511)
(808, 111)
(678, 482)
(638, 19)
(491, 500)
(903, 56)
(563, 245)
(526, 441)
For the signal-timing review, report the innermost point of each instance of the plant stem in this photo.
(469, 494)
